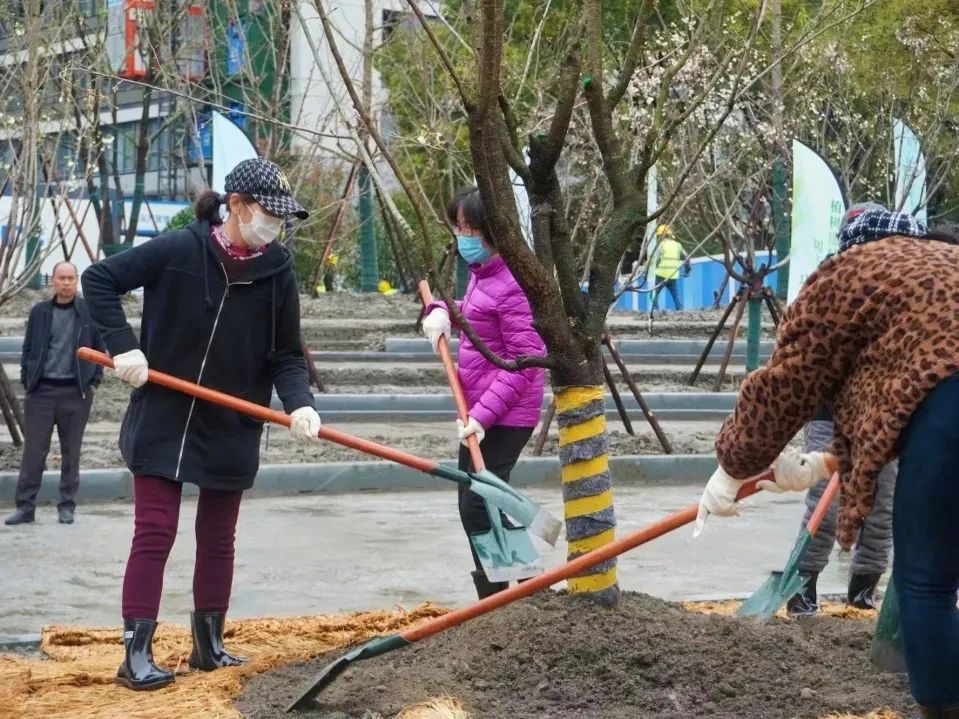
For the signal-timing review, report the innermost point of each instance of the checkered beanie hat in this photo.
(265, 182)
(874, 225)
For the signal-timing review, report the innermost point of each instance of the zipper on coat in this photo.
(76, 359)
(206, 354)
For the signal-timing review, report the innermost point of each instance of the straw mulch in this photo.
(77, 680)
(836, 610)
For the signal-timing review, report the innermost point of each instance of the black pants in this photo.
(501, 448)
(46, 406)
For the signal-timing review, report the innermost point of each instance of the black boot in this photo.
(21, 516)
(208, 652)
(138, 671)
(486, 588)
(950, 712)
(804, 602)
(863, 592)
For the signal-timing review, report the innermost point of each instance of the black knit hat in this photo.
(265, 182)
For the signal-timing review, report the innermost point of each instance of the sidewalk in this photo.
(328, 553)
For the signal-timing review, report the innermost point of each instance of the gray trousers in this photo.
(48, 406)
(871, 554)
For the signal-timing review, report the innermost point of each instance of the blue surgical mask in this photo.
(471, 249)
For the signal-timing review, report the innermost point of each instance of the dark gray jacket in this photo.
(33, 354)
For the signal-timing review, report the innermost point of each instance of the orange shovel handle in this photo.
(825, 502)
(266, 414)
(565, 571)
(443, 346)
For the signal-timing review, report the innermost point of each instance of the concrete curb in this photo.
(20, 642)
(291, 479)
(689, 406)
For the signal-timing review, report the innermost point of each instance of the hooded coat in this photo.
(237, 333)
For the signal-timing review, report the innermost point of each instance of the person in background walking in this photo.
(504, 407)
(220, 308)
(668, 258)
(59, 392)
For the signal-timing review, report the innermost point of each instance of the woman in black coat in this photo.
(220, 308)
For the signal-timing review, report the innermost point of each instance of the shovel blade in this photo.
(886, 652)
(522, 509)
(772, 595)
(331, 671)
(507, 555)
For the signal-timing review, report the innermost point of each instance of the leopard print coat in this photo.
(872, 332)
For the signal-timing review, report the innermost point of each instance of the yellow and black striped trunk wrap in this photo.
(587, 484)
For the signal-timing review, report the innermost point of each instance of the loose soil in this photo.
(554, 656)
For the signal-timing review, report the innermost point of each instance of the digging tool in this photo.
(886, 652)
(505, 552)
(776, 591)
(487, 485)
(382, 645)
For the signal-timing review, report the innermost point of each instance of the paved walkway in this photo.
(317, 554)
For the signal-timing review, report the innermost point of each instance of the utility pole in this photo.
(369, 260)
(780, 218)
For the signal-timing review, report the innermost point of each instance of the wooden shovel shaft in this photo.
(443, 347)
(825, 502)
(565, 571)
(266, 414)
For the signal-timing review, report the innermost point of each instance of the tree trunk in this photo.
(143, 150)
(587, 483)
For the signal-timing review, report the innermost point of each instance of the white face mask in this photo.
(261, 230)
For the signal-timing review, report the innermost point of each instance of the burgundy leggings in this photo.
(157, 512)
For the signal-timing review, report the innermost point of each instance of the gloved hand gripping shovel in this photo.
(506, 552)
(382, 645)
(494, 490)
(776, 591)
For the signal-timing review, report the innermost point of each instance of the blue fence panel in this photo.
(697, 291)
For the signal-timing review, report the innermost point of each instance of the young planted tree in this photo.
(702, 71)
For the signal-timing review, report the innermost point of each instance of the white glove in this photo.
(435, 325)
(718, 498)
(795, 472)
(131, 367)
(306, 424)
(471, 427)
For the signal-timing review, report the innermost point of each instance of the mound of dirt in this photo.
(562, 657)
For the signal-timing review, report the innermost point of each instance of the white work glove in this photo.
(796, 472)
(471, 427)
(718, 498)
(131, 367)
(435, 325)
(306, 424)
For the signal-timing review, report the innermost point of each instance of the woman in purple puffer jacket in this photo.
(504, 407)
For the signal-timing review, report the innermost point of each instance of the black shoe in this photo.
(138, 672)
(863, 591)
(21, 516)
(65, 514)
(804, 602)
(208, 652)
(486, 588)
(950, 712)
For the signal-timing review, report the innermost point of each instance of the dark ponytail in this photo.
(207, 207)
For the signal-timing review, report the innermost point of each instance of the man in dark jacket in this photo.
(59, 391)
